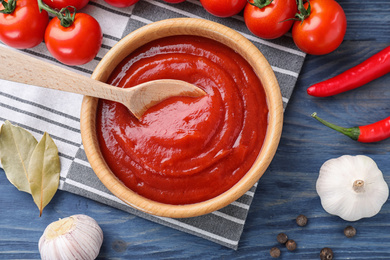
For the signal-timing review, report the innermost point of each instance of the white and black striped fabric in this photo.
(58, 113)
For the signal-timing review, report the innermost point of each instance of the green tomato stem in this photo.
(260, 3)
(9, 7)
(303, 13)
(65, 15)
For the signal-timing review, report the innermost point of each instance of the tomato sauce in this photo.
(185, 150)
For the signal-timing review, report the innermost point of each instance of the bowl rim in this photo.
(171, 27)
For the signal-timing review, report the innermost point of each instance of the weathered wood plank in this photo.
(285, 191)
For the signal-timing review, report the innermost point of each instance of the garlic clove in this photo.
(352, 187)
(75, 237)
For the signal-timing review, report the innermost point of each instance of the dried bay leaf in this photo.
(31, 166)
(16, 148)
(44, 171)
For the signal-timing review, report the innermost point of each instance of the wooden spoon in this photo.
(18, 67)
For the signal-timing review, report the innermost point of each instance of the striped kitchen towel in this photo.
(58, 113)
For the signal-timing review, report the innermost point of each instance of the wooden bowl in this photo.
(171, 27)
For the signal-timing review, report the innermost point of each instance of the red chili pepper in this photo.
(366, 134)
(370, 69)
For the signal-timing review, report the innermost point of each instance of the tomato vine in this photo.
(9, 6)
(303, 12)
(261, 3)
(65, 15)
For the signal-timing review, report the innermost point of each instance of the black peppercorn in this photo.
(301, 220)
(326, 254)
(274, 252)
(282, 238)
(349, 231)
(291, 245)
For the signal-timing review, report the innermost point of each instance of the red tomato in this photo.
(25, 26)
(121, 3)
(59, 4)
(270, 22)
(223, 8)
(323, 31)
(76, 44)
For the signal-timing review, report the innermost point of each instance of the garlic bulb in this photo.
(76, 237)
(352, 187)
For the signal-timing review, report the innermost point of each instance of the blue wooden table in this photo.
(287, 190)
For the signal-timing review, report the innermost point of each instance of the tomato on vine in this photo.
(269, 19)
(121, 3)
(223, 8)
(72, 38)
(22, 25)
(320, 27)
(76, 44)
(59, 4)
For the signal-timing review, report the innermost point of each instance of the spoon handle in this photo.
(18, 67)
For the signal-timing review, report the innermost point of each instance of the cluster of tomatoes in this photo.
(318, 26)
(73, 38)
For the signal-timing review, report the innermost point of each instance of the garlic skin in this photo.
(75, 237)
(352, 187)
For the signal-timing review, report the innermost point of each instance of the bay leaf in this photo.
(16, 147)
(44, 171)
